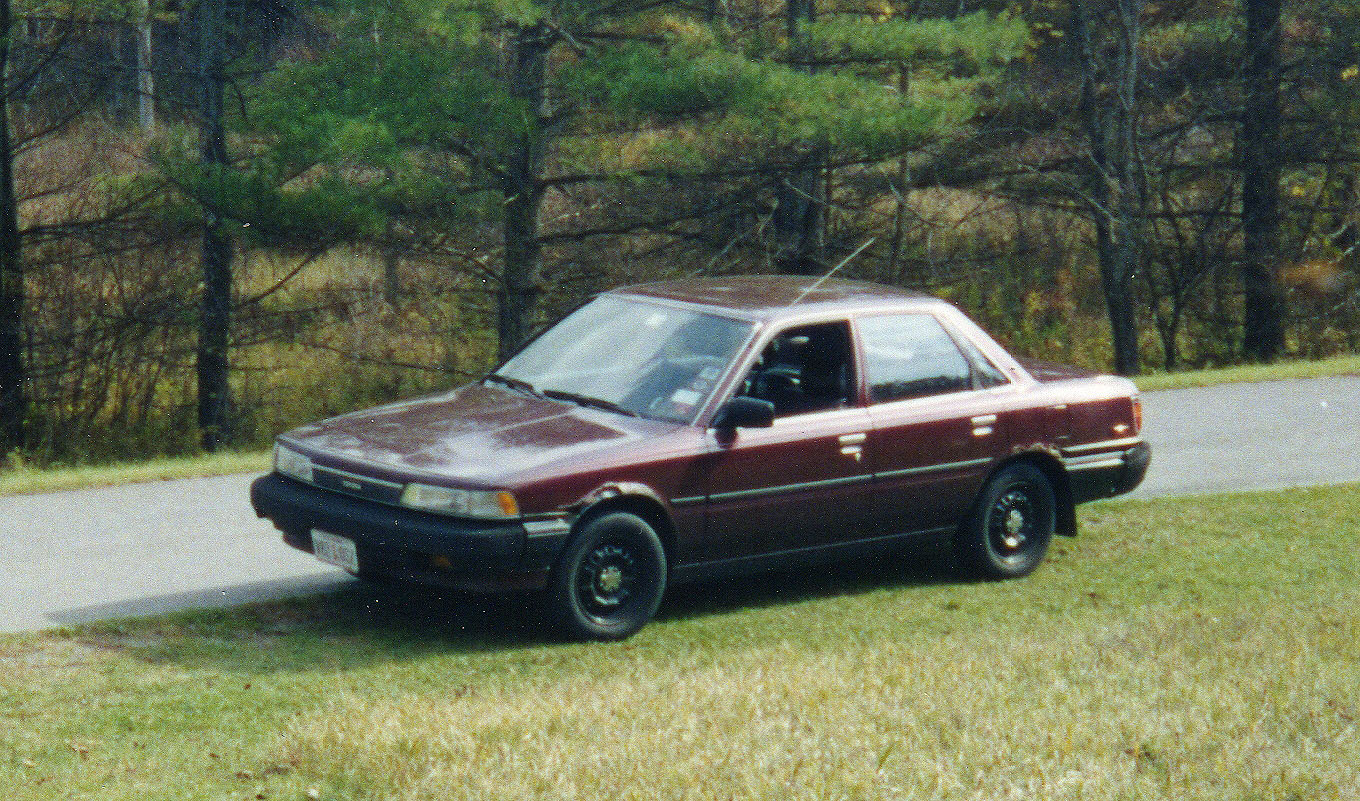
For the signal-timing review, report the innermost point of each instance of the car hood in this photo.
(480, 434)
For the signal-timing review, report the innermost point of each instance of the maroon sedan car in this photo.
(676, 430)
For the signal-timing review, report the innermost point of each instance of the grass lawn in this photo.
(1322, 368)
(1204, 648)
(24, 480)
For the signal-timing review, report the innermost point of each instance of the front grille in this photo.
(359, 486)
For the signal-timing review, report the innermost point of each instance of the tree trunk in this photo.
(13, 395)
(391, 259)
(714, 12)
(146, 84)
(1112, 191)
(214, 390)
(1259, 151)
(801, 195)
(901, 191)
(1132, 203)
(523, 190)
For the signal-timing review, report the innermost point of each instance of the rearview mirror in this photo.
(744, 412)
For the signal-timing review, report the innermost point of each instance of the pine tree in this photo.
(13, 401)
(1259, 151)
(470, 117)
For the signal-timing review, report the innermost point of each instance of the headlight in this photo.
(292, 464)
(495, 504)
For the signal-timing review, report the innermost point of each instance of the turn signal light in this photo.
(507, 503)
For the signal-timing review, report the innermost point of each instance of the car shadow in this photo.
(332, 606)
(376, 622)
(211, 598)
(487, 621)
(924, 561)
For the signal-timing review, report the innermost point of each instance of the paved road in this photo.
(73, 557)
(1253, 436)
(140, 549)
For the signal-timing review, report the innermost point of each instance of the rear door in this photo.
(938, 421)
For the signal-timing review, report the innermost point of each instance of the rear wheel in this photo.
(1007, 533)
(610, 579)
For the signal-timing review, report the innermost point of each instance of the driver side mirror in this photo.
(744, 412)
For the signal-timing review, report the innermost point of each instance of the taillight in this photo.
(1137, 414)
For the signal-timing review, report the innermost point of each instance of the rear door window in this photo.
(911, 356)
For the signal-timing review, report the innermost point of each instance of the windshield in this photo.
(640, 358)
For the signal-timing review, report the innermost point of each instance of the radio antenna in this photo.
(833, 270)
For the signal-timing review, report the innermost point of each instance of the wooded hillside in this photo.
(219, 218)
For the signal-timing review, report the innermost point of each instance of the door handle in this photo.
(851, 445)
(853, 451)
(982, 425)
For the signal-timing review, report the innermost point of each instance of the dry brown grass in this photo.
(1166, 657)
(1197, 648)
(1156, 706)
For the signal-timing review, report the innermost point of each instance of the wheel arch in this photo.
(637, 501)
(1048, 464)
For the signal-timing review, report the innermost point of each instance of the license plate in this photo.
(335, 550)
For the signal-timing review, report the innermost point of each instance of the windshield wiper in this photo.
(586, 400)
(513, 383)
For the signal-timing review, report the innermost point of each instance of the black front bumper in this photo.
(409, 545)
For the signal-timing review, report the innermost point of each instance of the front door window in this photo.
(805, 369)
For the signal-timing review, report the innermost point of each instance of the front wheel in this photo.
(610, 579)
(1007, 533)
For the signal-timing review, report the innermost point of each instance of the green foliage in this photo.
(686, 79)
(426, 79)
(731, 103)
(81, 9)
(1192, 37)
(371, 101)
(409, 119)
(974, 42)
(264, 204)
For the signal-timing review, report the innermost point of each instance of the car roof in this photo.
(768, 297)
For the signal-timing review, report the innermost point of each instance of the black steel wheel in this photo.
(610, 579)
(1007, 533)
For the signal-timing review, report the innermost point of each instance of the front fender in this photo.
(634, 497)
(618, 489)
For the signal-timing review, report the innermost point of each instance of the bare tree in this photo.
(523, 185)
(146, 83)
(1115, 190)
(800, 199)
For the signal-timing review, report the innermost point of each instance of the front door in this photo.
(802, 482)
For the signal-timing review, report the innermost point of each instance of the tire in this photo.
(609, 581)
(1007, 533)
